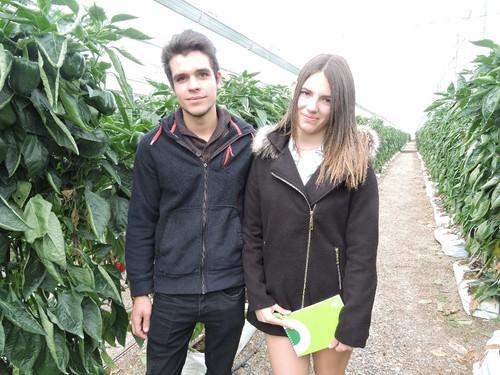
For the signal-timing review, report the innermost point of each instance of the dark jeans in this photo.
(172, 322)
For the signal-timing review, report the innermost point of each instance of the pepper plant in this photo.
(460, 144)
(391, 140)
(63, 188)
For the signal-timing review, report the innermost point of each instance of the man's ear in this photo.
(218, 79)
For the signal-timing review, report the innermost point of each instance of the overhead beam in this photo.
(197, 15)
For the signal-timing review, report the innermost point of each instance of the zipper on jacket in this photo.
(337, 257)
(309, 236)
(204, 219)
(306, 271)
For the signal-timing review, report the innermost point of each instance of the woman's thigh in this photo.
(283, 359)
(330, 362)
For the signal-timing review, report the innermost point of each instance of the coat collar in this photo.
(284, 168)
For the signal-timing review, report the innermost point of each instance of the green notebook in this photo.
(313, 327)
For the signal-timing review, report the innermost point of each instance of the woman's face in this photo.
(314, 105)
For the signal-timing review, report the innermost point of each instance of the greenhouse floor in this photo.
(418, 325)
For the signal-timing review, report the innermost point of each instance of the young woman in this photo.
(310, 226)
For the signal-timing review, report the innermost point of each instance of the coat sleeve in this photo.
(142, 220)
(360, 273)
(253, 260)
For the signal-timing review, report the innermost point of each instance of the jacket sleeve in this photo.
(253, 263)
(360, 273)
(142, 220)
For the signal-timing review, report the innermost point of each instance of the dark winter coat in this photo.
(184, 223)
(327, 235)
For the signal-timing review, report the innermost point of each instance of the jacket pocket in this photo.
(224, 240)
(180, 246)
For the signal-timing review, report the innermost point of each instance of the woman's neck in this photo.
(308, 141)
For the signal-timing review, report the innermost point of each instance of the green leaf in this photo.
(121, 323)
(34, 274)
(49, 266)
(481, 210)
(4, 250)
(98, 212)
(18, 314)
(22, 348)
(134, 34)
(5, 65)
(97, 14)
(128, 55)
(37, 213)
(52, 247)
(491, 182)
(108, 360)
(54, 48)
(72, 108)
(485, 43)
(111, 170)
(56, 128)
(122, 79)
(72, 4)
(50, 78)
(122, 17)
(60, 133)
(68, 312)
(116, 295)
(45, 364)
(82, 276)
(54, 181)
(491, 103)
(119, 214)
(22, 192)
(6, 95)
(35, 155)
(2, 337)
(495, 198)
(92, 320)
(9, 219)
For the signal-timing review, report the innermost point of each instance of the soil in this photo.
(419, 326)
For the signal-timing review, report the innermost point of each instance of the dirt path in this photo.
(419, 326)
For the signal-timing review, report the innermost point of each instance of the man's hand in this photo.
(141, 314)
(339, 347)
(265, 315)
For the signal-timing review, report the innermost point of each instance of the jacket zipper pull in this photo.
(311, 220)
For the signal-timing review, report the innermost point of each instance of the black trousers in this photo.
(172, 322)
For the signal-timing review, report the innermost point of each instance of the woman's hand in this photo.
(339, 347)
(265, 315)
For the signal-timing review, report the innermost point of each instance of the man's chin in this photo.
(196, 113)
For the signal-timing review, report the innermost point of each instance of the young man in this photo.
(184, 239)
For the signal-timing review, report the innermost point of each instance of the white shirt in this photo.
(307, 161)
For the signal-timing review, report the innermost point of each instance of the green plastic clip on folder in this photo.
(312, 328)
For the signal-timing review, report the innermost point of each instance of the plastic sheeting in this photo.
(490, 362)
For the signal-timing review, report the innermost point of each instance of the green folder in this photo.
(313, 327)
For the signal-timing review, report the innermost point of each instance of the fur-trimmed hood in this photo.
(264, 148)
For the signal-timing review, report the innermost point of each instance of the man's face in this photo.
(195, 83)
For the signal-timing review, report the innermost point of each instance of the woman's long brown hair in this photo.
(345, 148)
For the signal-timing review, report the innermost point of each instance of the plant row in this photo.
(460, 144)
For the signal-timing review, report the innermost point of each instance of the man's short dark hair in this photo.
(182, 44)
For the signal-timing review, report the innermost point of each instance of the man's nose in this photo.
(194, 84)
